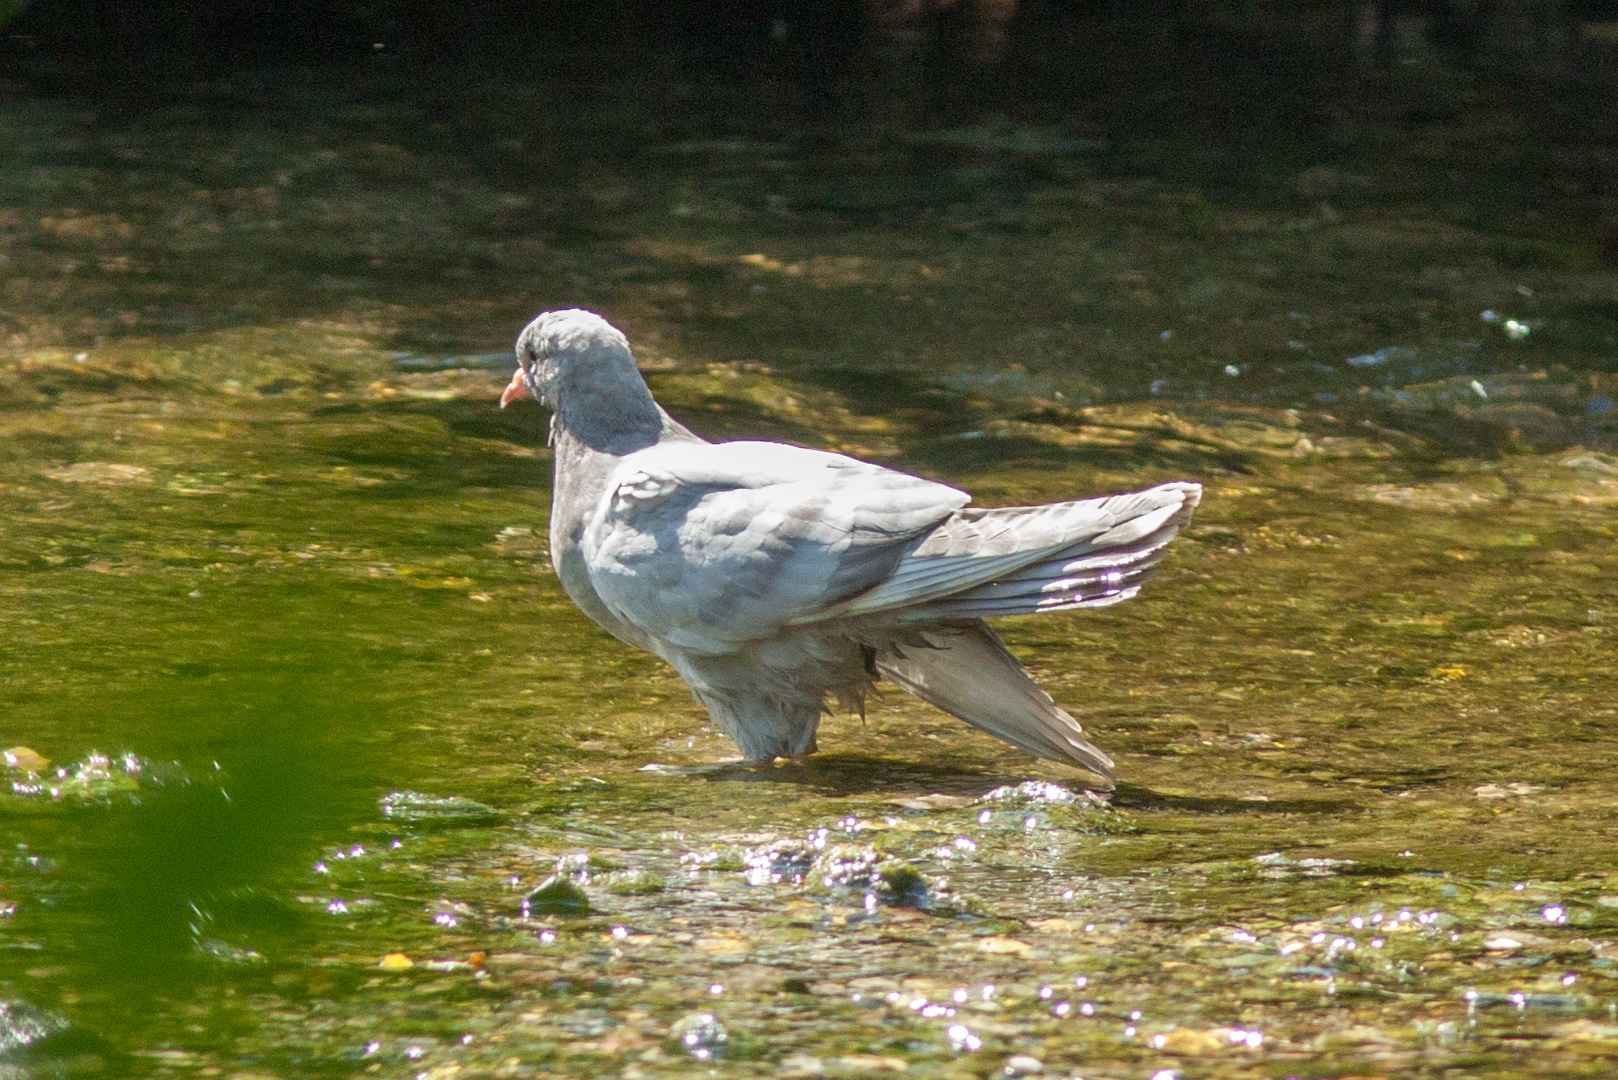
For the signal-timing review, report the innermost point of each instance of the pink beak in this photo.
(515, 389)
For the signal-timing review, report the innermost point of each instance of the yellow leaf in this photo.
(871, 1063)
(21, 757)
(1183, 1041)
(396, 961)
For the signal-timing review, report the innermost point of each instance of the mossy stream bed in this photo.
(299, 719)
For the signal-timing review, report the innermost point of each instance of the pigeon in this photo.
(777, 579)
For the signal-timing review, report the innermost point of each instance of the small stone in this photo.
(934, 802)
(100, 472)
(1023, 1065)
(556, 895)
(794, 1065)
(435, 811)
(634, 883)
(870, 1063)
(1193, 1042)
(701, 1035)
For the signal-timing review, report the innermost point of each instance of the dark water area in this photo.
(296, 715)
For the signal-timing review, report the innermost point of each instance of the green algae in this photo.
(1364, 718)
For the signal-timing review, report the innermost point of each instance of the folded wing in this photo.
(707, 546)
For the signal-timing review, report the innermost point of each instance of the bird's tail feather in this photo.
(969, 672)
(1059, 581)
(1020, 560)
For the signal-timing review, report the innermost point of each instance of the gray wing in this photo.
(709, 546)
(1021, 560)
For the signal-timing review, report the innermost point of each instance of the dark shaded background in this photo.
(1282, 60)
(1494, 114)
(1175, 68)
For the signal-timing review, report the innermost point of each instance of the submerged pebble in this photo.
(859, 868)
(701, 1035)
(1041, 791)
(556, 895)
(24, 1026)
(416, 808)
(789, 861)
(95, 777)
(634, 883)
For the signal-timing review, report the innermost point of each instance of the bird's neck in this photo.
(583, 466)
(609, 413)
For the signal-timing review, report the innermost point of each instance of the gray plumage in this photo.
(774, 578)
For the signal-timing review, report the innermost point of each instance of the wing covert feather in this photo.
(710, 546)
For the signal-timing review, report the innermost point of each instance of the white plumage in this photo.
(774, 577)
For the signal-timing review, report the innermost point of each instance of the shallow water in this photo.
(271, 562)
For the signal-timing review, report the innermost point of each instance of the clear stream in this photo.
(296, 716)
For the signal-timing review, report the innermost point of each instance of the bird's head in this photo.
(563, 349)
